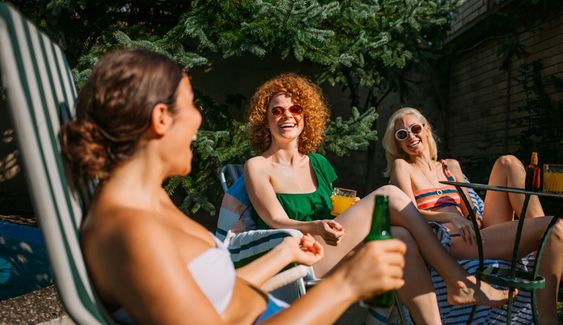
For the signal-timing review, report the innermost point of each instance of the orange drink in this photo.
(342, 199)
(553, 178)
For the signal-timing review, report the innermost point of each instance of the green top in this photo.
(308, 206)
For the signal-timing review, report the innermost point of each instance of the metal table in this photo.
(510, 278)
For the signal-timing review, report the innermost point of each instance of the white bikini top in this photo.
(215, 275)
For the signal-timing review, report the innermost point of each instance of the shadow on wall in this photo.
(24, 266)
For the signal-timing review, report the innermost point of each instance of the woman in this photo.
(150, 263)
(290, 187)
(412, 165)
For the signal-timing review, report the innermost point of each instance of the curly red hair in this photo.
(302, 91)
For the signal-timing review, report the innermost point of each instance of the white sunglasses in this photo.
(403, 134)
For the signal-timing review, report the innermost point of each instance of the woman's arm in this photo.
(266, 204)
(377, 267)
(455, 168)
(305, 250)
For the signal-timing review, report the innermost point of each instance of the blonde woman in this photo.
(413, 166)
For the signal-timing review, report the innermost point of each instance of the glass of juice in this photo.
(342, 199)
(553, 178)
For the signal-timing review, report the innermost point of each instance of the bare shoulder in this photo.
(401, 164)
(121, 232)
(256, 165)
(400, 173)
(256, 161)
(453, 165)
(455, 169)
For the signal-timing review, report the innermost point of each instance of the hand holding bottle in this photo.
(374, 269)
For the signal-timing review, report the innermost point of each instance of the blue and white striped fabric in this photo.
(246, 243)
(238, 231)
(450, 314)
(521, 310)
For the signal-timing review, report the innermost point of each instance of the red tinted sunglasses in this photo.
(294, 110)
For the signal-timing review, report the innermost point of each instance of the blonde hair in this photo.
(302, 91)
(391, 146)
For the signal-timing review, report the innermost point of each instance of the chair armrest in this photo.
(286, 277)
(249, 245)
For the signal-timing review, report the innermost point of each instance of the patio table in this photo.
(510, 278)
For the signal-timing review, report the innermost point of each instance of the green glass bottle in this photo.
(380, 230)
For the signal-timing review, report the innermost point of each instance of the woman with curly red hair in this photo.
(290, 186)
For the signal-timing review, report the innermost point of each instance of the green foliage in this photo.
(342, 136)
(213, 150)
(366, 40)
(364, 46)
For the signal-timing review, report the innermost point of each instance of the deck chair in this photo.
(40, 93)
(246, 243)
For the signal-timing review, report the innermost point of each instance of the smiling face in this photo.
(413, 144)
(288, 125)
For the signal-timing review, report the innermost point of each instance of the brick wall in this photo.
(471, 11)
(483, 99)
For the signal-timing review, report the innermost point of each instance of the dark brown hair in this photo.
(302, 91)
(114, 107)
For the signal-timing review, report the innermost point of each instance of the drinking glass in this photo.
(342, 199)
(553, 178)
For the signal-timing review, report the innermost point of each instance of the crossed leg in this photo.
(497, 243)
(462, 287)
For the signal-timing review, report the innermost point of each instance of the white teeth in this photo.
(194, 137)
(414, 144)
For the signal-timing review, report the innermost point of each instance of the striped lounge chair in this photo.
(40, 92)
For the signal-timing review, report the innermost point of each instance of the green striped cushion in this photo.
(39, 87)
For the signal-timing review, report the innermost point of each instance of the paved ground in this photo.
(33, 308)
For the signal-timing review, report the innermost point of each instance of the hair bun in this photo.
(84, 147)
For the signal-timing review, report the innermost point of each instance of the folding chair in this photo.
(246, 243)
(40, 93)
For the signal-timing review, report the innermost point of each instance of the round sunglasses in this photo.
(403, 134)
(295, 110)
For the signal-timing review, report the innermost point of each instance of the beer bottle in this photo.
(533, 173)
(380, 230)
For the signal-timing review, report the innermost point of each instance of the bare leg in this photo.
(498, 240)
(462, 288)
(495, 239)
(417, 293)
(499, 206)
